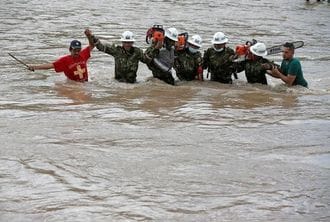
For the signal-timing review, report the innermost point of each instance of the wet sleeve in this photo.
(240, 66)
(270, 64)
(60, 64)
(106, 48)
(206, 60)
(282, 67)
(294, 68)
(142, 56)
(231, 52)
(150, 53)
(199, 60)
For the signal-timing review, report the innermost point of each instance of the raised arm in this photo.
(152, 52)
(90, 38)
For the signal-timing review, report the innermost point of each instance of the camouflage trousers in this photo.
(226, 79)
(186, 76)
(129, 78)
(164, 76)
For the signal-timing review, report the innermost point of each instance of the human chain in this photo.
(170, 50)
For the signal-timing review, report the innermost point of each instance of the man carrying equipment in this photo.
(162, 55)
(290, 72)
(255, 65)
(74, 65)
(218, 59)
(188, 61)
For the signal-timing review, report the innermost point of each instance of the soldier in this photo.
(255, 65)
(126, 57)
(188, 62)
(162, 55)
(218, 59)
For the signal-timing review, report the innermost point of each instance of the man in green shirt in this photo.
(290, 71)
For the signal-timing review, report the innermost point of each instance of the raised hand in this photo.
(88, 33)
(159, 45)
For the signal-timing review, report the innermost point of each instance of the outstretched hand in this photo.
(88, 33)
(275, 72)
(31, 68)
(267, 66)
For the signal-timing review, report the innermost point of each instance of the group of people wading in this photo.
(170, 50)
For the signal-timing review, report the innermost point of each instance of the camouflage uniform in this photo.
(161, 64)
(219, 64)
(254, 70)
(126, 62)
(186, 64)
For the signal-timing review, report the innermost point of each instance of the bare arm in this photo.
(43, 66)
(289, 79)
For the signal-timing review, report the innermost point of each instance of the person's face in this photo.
(75, 52)
(287, 53)
(219, 46)
(127, 45)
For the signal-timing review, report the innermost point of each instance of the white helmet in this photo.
(219, 38)
(195, 40)
(172, 34)
(127, 36)
(259, 49)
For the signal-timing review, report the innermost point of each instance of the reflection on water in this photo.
(74, 91)
(198, 151)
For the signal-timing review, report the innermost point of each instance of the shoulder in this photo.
(63, 58)
(115, 46)
(198, 55)
(111, 46)
(85, 51)
(295, 61)
(137, 49)
(208, 51)
(230, 50)
(294, 64)
(264, 60)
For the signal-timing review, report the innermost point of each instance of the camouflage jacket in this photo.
(186, 64)
(126, 62)
(254, 71)
(219, 64)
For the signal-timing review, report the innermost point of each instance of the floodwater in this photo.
(198, 151)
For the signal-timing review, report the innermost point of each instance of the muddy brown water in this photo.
(199, 151)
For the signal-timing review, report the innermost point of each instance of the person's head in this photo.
(171, 36)
(258, 50)
(194, 43)
(127, 40)
(219, 41)
(75, 48)
(288, 51)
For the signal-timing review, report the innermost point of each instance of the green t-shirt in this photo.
(293, 68)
